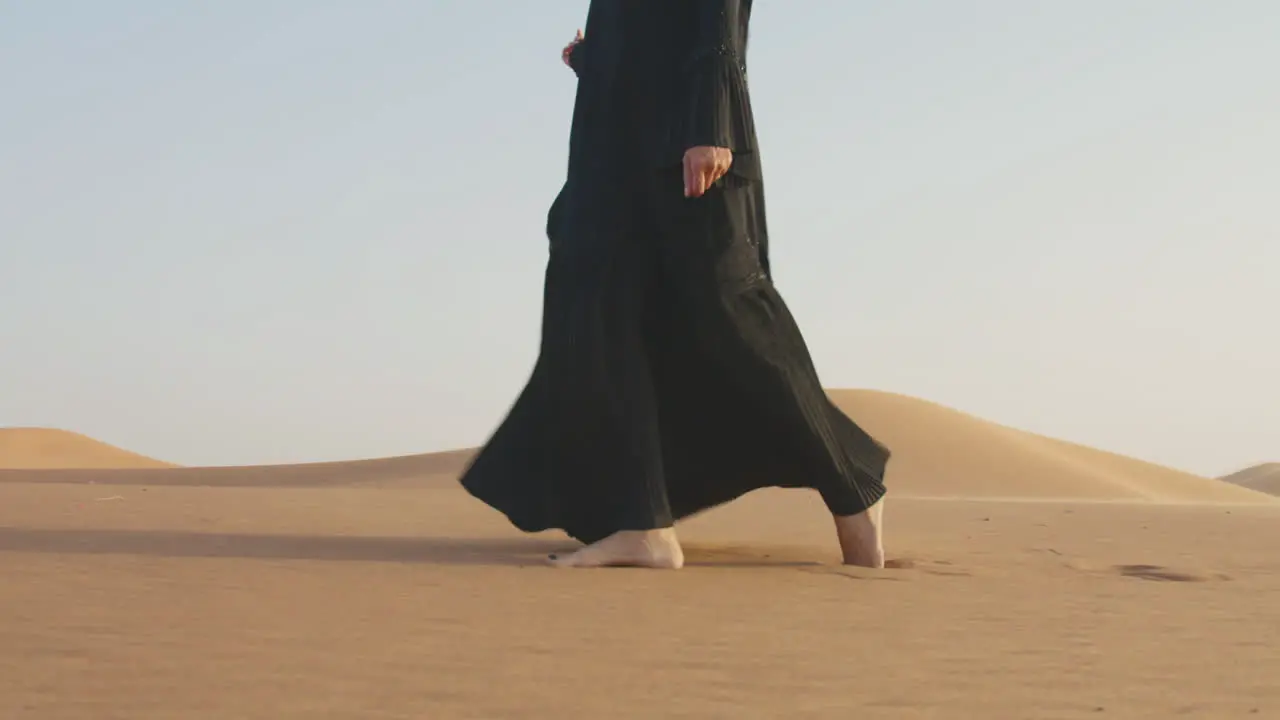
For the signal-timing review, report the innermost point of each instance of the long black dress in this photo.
(671, 376)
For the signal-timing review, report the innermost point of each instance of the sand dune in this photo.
(1264, 478)
(938, 452)
(943, 452)
(380, 588)
(427, 469)
(42, 448)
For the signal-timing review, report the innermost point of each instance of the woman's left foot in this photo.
(659, 549)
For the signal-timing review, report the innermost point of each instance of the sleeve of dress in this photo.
(717, 109)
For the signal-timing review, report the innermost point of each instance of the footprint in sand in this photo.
(1162, 574)
(1143, 571)
(928, 567)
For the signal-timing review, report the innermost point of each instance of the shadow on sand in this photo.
(511, 552)
(178, 544)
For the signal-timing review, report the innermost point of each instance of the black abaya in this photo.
(671, 377)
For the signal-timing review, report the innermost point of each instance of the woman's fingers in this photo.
(703, 166)
(696, 174)
(568, 49)
(705, 178)
(708, 179)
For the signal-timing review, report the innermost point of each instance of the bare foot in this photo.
(628, 548)
(861, 537)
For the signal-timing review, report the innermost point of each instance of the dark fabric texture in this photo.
(671, 378)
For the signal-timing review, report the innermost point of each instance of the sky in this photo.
(268, 231)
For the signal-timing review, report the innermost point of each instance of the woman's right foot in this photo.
(861, 537)
(659, 549)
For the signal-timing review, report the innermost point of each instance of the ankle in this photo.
(860, 538)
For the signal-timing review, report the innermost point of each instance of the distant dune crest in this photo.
(938, 453)
(49, 449)
(942, 452)
(1263, 478)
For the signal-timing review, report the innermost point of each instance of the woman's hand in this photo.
(703, 166)
(568, 49)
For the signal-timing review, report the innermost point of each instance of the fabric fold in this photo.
(718, 108)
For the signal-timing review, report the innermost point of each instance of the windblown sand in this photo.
(1263, 478)
(1033, 579)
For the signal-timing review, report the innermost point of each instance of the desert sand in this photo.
(46, 448)
(1031, 578)
(1263, 478)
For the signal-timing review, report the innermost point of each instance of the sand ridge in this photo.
(47, 448)
(938, 452)
(1263, 478)
(941, 452)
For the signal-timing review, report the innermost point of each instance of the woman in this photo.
(671, 377)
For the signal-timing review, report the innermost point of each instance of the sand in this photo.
(1263, 478)
(1032, 579)
(46, 448)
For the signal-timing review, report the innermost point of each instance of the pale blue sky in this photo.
(275, 230)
